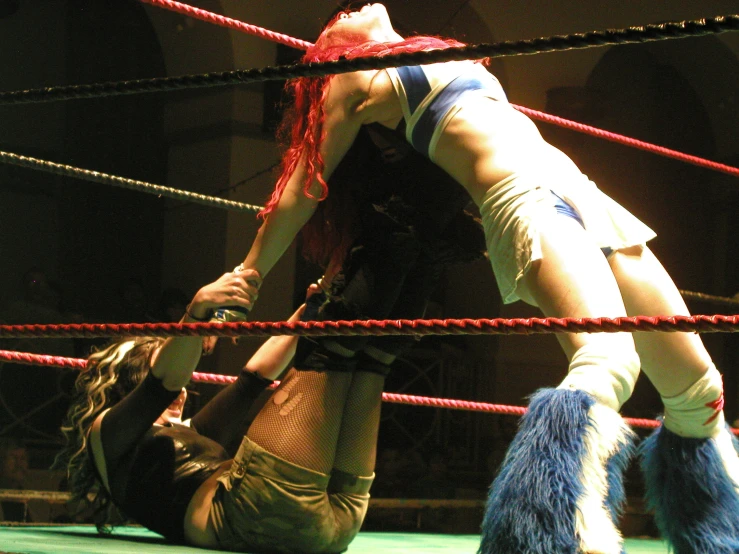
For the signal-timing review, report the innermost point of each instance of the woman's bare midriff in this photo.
(199, 529)
(488, 141)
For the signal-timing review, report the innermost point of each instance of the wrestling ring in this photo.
(83, 538)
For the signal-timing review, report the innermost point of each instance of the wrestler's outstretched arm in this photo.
(177, 358)
(344, 116)
(273, 357)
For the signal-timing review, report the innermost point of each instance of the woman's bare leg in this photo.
(672, 361)
(573, 279)
(690, 463)
(573, 431)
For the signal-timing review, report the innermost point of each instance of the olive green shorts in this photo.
(266, 504)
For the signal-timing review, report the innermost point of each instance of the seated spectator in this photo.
(436, 483)
(38, 304)
(132, 305)
(13, 472)
(172, 304)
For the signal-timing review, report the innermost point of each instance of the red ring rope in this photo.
(622, 139)
(417, 327)
(27, 358)
(210, 17)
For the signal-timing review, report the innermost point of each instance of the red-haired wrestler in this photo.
(557, 242)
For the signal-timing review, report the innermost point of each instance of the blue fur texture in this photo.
(696, 504)
(533, 501)
(616, 467)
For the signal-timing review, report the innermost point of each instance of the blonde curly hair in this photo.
(110, 375)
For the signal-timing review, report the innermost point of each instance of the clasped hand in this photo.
(237, 288)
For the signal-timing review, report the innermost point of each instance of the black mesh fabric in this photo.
(357, 445)
(301, 421)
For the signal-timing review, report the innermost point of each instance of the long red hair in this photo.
(329, 233)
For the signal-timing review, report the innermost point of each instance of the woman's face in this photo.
(371, 22)
(173, 413)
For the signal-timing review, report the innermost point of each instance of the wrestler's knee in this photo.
(698, 411)
(349, 498)
(608, 374)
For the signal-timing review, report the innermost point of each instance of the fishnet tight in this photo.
(357, 446)
(323, 420)
(301, 422)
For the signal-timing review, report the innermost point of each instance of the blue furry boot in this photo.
(560, 488)
(693, 487)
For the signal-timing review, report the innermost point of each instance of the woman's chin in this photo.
(171, 416)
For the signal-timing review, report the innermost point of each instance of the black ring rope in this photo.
(629, 35)
(710, 298)
(107, 179)
(104, 178)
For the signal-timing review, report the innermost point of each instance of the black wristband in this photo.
(207, 316)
